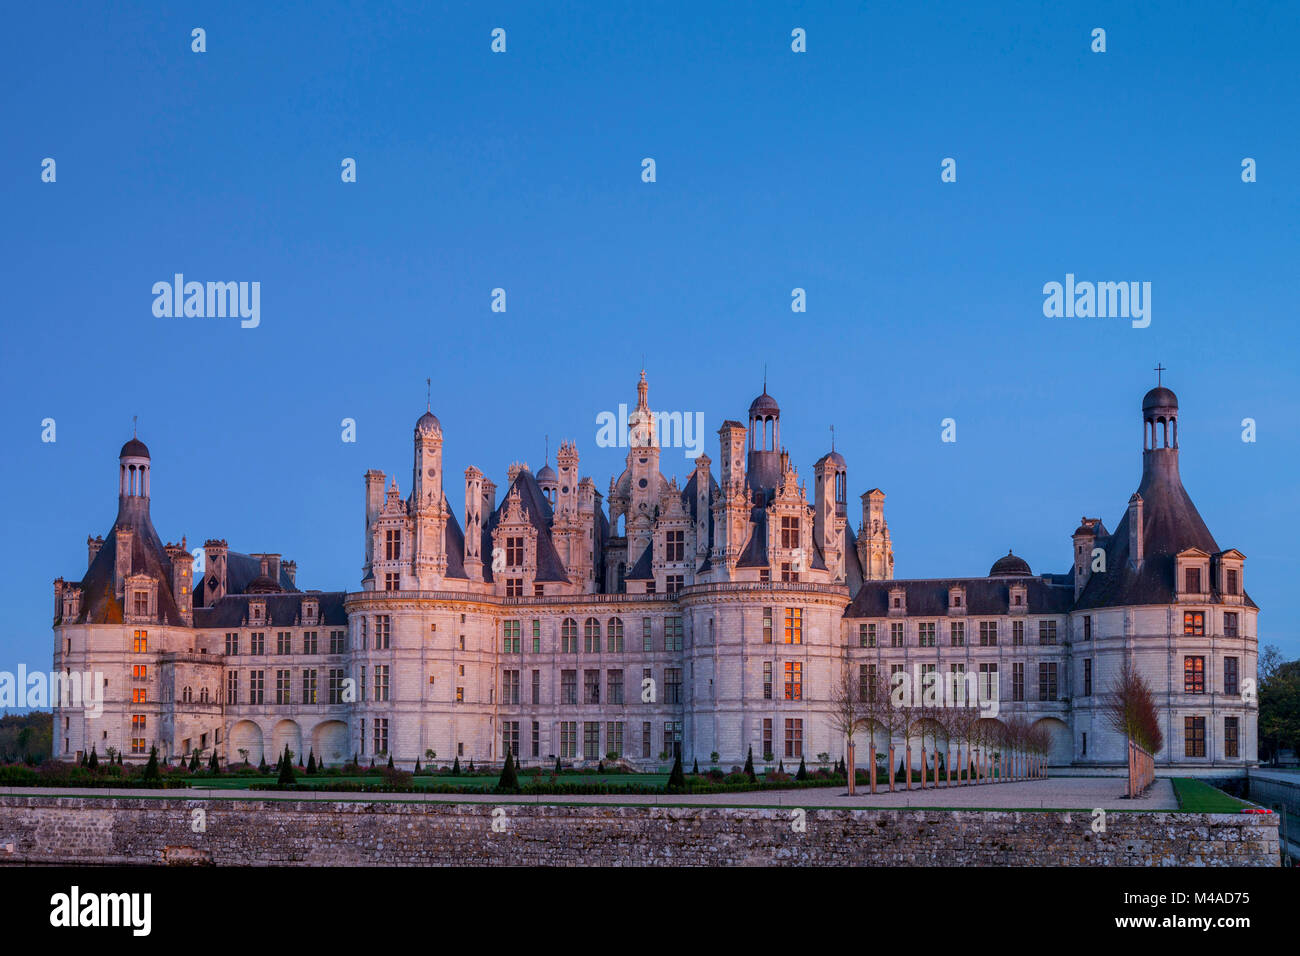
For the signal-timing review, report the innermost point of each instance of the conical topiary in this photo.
(93, 762)
(676, 779)
(780, 766)
(311, 761)
(390, 761)
(417, 764)
(803, 771)
(194, 762)
(749, 763)
(455, 766)
(557, 764)
(261, 765)
(286, 769)
(695, 767)
(508, 779)
(212, 761)
(151, 768)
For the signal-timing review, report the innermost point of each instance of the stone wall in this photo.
(88, 830)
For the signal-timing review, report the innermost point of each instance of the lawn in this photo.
(1197, 796)
(480, 782)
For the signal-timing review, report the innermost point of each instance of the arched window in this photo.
(614, 635)
(569, 636)
(591, 636)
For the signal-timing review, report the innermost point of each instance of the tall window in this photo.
(957, 633)
(647, 644)
(140, 642)
(141, 603)
(864, 682)
(1193, 675)
(789, 532)
(591, 636)
(510, 688)
(392, 581)
(283, 642)
(232, 687)
(1087, 627)
(672, 685)
(614, 635)
(1230, 624)
(1087, 677)
(383, 628)
(793, 737)
(1231, 743)
(1193, 736)
(1046, 632)
(1017, 633)
(896, 634)
(673, 737)
(675, 546)
(569, 636)
(336, 685)
(537, 637)
(672, 633)
(767, 738)
(309, 686)
(256, 686)
(767, 625)
(1230, 685)
(568, 687)
(1018, 680)
(925, 634)
(989, 681)
(309, 642)
(614, 737)
(591, 687)
(510, 640)
(794, 625)
(867, 635)
(514, 587)
(1194, 623)
(232, 644)
(282, 687)
(673, 583)
(537, 688)
(1047, 680)
(988, 633)
(514, 552)
(793, 680)
(381, 735)
(510, 737)
(1232, 587)
(614, 689)
(1193, 576)
(393, 545)
(767, 680)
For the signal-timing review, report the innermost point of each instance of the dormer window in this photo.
(257, 612)
(1193, 585)
(957, 600)
(1192, 579)
(1230, 581)
(897, 601)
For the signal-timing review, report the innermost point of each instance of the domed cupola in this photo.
(1010, 566)
(764, 473)
(134, 465)
(547, 478)
(428, 426)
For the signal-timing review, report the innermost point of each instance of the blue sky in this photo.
(775, 170)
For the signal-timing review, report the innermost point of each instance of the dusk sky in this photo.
(775, 170)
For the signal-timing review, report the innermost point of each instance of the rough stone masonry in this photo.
(90, 830)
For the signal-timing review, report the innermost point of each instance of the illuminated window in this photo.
(141, 644)
(794, 625)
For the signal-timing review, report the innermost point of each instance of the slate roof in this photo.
(1047, 594)
(282, 610)
(99, 604)
(1170, 524)
(549, 565)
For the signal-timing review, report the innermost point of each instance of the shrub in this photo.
(286, 769)
(676, 779)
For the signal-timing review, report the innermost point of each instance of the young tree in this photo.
(194, 761)
(848, 716)
(455, 766)
(749, 763)
(93, 762)
(803, 770)
(878, 717)
(311, 761)
(212, 761)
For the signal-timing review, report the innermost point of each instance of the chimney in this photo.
(93, 546)
(1085, 539)
(214, 566)
(1135, 530)
(291, 571)
(182, 585)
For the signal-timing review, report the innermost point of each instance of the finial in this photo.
(428, 395)
(832, 438)
(548, 451)
(1158, 369)
(133, 426)
(764, 378)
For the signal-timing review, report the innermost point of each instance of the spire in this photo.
(428, 395)
(642, 389)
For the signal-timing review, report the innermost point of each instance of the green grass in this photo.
(1197, 796)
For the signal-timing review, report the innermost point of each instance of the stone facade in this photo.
(107, 831)
(715, 615)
